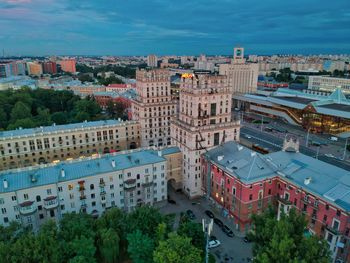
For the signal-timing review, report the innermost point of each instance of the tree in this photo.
(108, 245)
(146, 219)
(59, 117)
(140, 247)
(176, 249)
(47, 245)
(3, 119)
(43, 118)
(194, 231)
(284, 241)
(22, 123)
(20, 111)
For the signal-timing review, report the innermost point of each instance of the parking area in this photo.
(232, 249)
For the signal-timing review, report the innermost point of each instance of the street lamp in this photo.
(346, 145)
(207, 229)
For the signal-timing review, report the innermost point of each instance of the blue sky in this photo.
(182, 27)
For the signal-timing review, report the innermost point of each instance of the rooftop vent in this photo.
(33, 178)
(63, 173)
(6, 184)
(113, 163)
(307, 180)
(220, 157)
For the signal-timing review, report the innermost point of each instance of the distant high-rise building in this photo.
(14, 68)
(68, 65)
(242, 76)
(152, 61)
(49, 67)
(203, 64)
(153, 107)
(204, 121)
(34, 68)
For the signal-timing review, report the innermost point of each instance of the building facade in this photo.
(126, 180)
(242, 183)
(153, 107)
(152, 61)
(204, 121)
(26, 147)
(14, 68)
(320, 83)
(242, 76)
(49, 67)
(34, 68)
(67, 65)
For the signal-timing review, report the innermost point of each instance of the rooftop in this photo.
(80, 168)
(327, 181)
(57, 128)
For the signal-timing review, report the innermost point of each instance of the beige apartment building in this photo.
(153, 107)
(27, 147)
(242, 77)
(33, 195)
(204, 121)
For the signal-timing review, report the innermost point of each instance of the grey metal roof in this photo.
(56, 128)
(327, 181)
(76, 169)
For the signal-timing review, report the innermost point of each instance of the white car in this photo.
(329, 155)
(247, 136)
(214, 243)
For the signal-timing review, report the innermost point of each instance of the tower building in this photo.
(153, 107)
(204, 121)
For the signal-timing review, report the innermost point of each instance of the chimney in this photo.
(307, 180)
(6, 184)
(63, 173)
(113, 163)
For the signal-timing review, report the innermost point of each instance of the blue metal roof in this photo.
(55, 128)
(327, 181)
(76, 169)
(170, 150)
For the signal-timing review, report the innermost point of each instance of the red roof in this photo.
(119, 86)
(49, 198)
(27, 203)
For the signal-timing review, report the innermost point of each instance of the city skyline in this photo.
(37, 27)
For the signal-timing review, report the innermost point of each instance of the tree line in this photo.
(127, 72)
(29, 108)
(143, 236)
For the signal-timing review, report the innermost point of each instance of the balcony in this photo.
(103, 200)
(147, 183)
(50, 202)
(102, 192)
(130, 184)
(333, 230)
(82, 197)
(27, 208)
(102, 183)
(81, 188)
(284, 201)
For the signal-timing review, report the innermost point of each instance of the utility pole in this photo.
(262, 121)
(307, 137)
(346, 145)
(207, 229)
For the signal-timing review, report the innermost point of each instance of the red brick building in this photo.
(242, 183)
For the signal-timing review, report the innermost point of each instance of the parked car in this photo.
(214, 243)
(209, 213)
(170, 201)
(228, 231)
(190, 214)
(329, 155)
(218, 222)
(247, 239)
(334, 139)
(212, 238)
(247, 136)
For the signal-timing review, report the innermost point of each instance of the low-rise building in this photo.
(126, 180)
(26, 147)
(243, 183)
(320, 83)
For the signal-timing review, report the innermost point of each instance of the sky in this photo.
(174, 27)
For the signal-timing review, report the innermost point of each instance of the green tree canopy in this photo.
(177, 249)
(140, 247)
(284, 241)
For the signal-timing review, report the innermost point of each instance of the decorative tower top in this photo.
(291, 144)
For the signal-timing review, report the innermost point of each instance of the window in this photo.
(92, 187)
(48, 191)
(60, 189)
(233, 191)
(25, 196)
(250, 197)
(6, 219)
(336, 224)
(70, 187)
(216, 138)
(3, 210)
(14, 198)
(38, 198)
(111, 186)
(2, 201)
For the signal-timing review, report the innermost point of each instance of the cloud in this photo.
(182, 26)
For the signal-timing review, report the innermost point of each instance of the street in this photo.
(232, 248)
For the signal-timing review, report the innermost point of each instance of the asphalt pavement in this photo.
(232, 248)
(275, 143)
